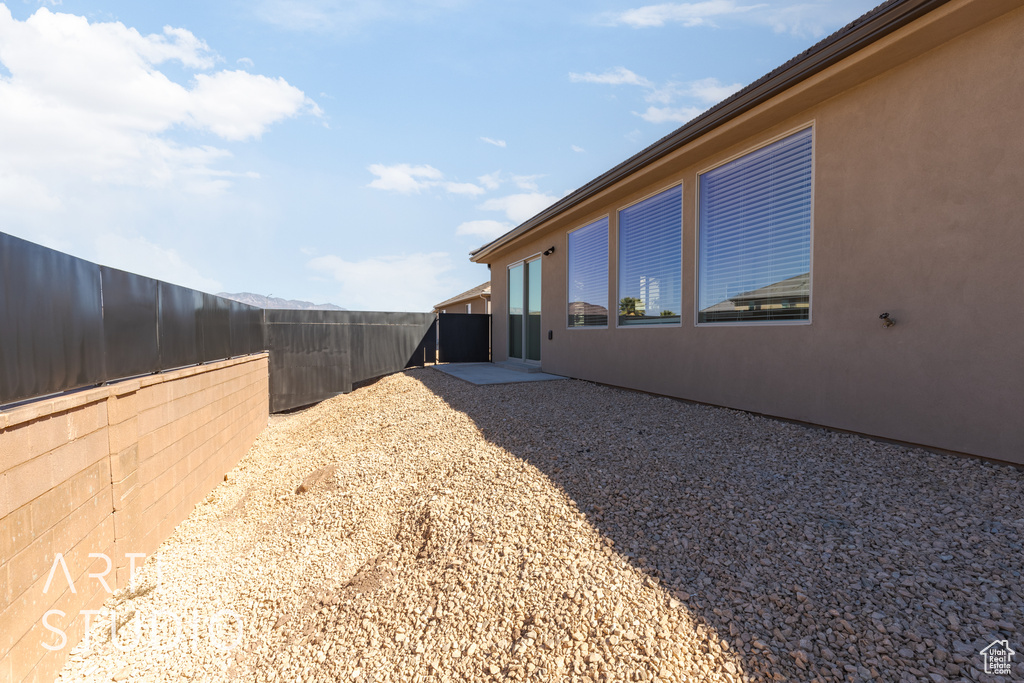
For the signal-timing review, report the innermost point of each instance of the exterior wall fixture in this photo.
(886, 320)
(550, 251)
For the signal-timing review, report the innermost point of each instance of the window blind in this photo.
(650, 260)
(588, 275)
(755, 235)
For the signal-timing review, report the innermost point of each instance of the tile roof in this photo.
(478, 291)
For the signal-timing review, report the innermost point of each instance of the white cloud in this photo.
(711, 90)
(620, 75)
(808, 18)
(685, 13)
(237, 105)
(19, 191)
(520, 207)
(670, 114)
(404, 282)
(527, 182)
(404, 178)
(245, 61)
(577, 149)
(491, 181)
(345, 16)
(409, 179)
(139, 255)
(485, 229)
(496, 143)
(319, 15)
(706, 91)
(463, 188)
(86, 103)
(802, 18)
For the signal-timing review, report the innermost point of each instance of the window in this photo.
(588, 275)
(755, 235)
(650, 260)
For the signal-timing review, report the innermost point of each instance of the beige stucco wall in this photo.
(110, 471)
(918, 211)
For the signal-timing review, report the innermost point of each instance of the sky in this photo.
(347, 151)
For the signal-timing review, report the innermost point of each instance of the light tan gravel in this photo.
(424, 529)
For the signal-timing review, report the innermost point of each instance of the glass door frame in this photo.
(526, 264)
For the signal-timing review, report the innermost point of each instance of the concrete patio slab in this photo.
(489, 373)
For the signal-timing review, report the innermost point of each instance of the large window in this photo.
(588, 275)
(755, 235)
(650, 260)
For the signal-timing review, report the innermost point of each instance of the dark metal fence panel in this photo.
(384, 343)
(131, 309)
(181, 339)
(318, 354)
(430, 344)
(464, 337)
(215, 326)
(309, 358)
(246, 328)
(426, 352)
(51, 329)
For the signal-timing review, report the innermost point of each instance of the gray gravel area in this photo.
(424, 529)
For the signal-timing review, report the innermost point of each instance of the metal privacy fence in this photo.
(318, 354)
(67, 323)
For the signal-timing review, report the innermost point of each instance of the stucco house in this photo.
(745, 259)
(476, 300)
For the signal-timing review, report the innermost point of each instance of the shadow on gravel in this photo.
(818, 556)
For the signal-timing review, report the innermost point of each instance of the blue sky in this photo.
(347, 151)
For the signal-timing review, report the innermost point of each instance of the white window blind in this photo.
(650, 260)
(588, 275)
(755, 235)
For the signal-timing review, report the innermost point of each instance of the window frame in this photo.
(809, 125)
(607, 264)
(681, 184)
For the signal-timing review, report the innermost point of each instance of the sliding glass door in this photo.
(524, 288)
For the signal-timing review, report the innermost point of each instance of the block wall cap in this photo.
(63, 403)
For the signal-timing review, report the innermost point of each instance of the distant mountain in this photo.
(275, 302)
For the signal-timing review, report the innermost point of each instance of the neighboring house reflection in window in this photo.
(755, 235)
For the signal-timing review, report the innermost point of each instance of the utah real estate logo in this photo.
(998, 656)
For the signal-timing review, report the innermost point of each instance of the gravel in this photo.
(424, 529)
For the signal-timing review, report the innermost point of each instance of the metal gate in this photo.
(463, 338)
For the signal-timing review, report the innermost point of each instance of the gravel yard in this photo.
(425, 529)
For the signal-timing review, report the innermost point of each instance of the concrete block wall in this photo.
(110, 472)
